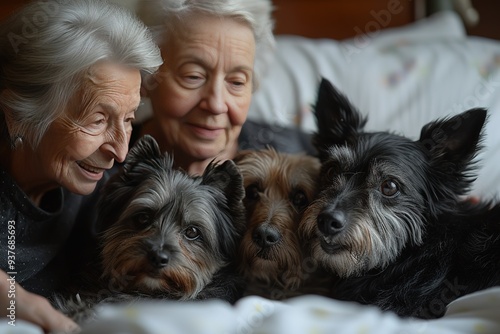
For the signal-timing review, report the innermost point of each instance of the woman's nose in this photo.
(117, 144)
(215, 98)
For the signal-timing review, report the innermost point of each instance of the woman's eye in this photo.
(192, 233)
(191, 76)
(389, 188)
(94, 125)
(237, 82)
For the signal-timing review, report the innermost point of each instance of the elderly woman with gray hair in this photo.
(70, 80)
(214, 52)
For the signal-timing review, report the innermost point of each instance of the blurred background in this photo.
(336, 18)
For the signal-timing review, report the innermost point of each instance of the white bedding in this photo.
(400, 78)
(477, 313)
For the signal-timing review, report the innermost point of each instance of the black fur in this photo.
(433, 245)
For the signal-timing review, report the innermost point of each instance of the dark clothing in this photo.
(50, 240)
(255, 136)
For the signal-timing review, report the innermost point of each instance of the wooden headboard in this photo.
(319, 18)
(341, 19)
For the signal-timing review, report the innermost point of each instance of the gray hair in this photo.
(162, 16)
(47, 47)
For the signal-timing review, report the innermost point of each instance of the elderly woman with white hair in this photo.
(70, 79)
(214, 52)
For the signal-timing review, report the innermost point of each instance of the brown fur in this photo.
(273, 182)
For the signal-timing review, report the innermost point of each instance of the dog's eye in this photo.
(192, 233)
(299, 199)
(142, 218)
(389, 188)
(331, 171)
(252, 192)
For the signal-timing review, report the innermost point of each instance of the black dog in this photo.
(390, 220)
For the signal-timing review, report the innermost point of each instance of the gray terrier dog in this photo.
(166, 234)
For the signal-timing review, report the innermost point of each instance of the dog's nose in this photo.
(266, 236)
(158, 258)
(331, 222)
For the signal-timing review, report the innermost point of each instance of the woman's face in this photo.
(204, 87)
(94, 130)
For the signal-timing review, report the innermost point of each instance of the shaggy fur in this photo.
(278, 187)
(389, 222)
(168, 235)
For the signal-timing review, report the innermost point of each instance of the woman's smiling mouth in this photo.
(204, 132)
(89, 168)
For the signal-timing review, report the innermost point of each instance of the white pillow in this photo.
(401, 81)
(290, 83)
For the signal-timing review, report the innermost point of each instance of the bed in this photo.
(402, 77)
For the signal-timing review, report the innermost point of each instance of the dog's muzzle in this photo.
(331, 222)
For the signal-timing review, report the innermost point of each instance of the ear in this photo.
(144, 148)
(452, 143)
(143, 159)
(146, 154)
(338, 121)
(227, 178)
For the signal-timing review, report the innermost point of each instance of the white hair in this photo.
(163, 16)
(47, 47)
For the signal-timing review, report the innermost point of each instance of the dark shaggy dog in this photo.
(168, 235)
(390, 220)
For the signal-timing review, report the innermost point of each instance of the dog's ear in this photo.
(145, 148)
(226, 177)
(146, 156)
(337, 120)
(455, 139)
(143, 158)
(451, 144)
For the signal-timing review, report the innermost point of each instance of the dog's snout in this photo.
(331, 222)
(159, 258)
(266, 236)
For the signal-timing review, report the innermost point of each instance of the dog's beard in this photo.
(373, 237)
(278, 178)
(279, 264)
(128, 269)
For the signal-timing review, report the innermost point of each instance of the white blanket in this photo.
(476, 313)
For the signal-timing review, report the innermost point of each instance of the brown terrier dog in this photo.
(278, 187)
